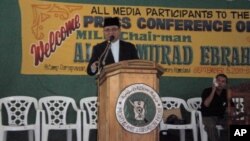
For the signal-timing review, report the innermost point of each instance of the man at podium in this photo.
(112, 50)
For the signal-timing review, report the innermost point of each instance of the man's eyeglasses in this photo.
(111, 29)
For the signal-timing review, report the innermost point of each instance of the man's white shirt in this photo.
(115, 47)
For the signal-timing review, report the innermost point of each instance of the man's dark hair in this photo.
(222, 75)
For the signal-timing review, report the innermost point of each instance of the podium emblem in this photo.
(139, 109)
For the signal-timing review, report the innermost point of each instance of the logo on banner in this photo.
(139, 109)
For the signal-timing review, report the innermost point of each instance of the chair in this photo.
(203, 133)
(88, 107)
(19, 110)
(172, 103)
(54, 116)
(195, 104)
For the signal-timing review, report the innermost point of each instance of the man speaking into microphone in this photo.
(112, 50)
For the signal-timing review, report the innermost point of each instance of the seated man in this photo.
(213, 107)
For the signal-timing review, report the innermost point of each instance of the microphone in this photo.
(111, 38)
(107, 50)
(105, 54)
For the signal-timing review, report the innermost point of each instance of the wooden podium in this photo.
(111, 81)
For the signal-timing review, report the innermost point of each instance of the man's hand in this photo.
(94, 66)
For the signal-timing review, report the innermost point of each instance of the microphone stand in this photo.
(105, 54)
